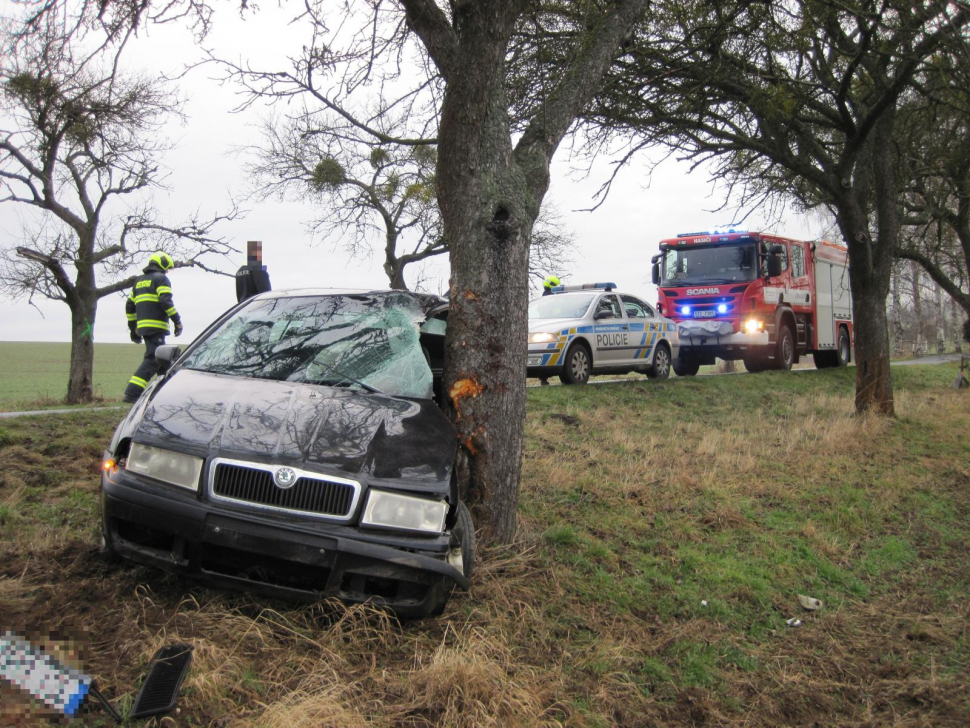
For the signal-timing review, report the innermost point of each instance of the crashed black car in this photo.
(296, 448)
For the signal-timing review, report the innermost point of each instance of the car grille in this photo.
(308, 495)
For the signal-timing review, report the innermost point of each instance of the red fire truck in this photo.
(761, 298)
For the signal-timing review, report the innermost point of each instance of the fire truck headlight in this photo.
(685, 310)
(753, 326)
(722, 308)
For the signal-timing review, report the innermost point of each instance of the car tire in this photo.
(577, 366)
(660, 368)
(465, 530)
(469, 544)
(842, 351)
(785, 350)
(686, 366)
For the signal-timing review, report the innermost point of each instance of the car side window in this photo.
(636, 309)
(610, 306)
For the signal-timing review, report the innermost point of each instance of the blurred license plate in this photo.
(705, 314)
(535, 361)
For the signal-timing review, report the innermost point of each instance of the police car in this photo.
(577, 331)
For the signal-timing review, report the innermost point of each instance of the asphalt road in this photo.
(932, 359)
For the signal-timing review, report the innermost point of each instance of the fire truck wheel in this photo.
(686, 366)
(576, 368)
(842, 353)
(660, 369)
(822, 359)
(754, 364)
(785, 354)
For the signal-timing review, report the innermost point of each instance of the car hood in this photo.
(369, 437)
(552, 324)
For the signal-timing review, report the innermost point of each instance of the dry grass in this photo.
(665, 529)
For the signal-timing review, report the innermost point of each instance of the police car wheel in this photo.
(660, 369)
(576, 368)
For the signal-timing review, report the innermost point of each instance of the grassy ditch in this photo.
(666, 530)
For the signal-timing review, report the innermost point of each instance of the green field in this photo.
(34, 374)
(666, 530)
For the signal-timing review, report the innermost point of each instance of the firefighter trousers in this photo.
(146, 370)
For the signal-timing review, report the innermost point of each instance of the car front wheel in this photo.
(576, 368)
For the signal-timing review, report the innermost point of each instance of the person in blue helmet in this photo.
(149, 308)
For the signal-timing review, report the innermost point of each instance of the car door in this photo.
(611, 332)
(644, 331)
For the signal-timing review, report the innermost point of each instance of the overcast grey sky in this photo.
(614, 243)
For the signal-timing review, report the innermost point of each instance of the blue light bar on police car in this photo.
(584, 287)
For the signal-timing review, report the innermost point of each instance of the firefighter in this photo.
(149, 308)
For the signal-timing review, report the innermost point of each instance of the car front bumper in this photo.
(283, 558)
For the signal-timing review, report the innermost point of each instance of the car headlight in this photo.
(542, 337)
(753, 326)
(170, 467)
(393, 510)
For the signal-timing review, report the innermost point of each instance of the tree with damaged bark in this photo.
(798, 99)
(489, 187)
(79, 146)
(490, 191)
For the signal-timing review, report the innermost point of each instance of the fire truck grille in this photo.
(308, 495)
(702, 301)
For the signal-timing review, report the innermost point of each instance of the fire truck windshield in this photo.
(694, 264)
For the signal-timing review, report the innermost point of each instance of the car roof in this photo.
(427, 299)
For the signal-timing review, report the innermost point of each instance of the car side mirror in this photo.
(165, 356)
(602, 315)
(774, 260)
(655, 274)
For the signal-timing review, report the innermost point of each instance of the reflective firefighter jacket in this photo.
(150, 305)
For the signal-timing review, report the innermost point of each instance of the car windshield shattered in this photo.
(560, 306)
(367, 341)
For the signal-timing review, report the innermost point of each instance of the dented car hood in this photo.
(342, 431)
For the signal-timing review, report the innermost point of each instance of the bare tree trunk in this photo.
(80, 380)
(955, 326)
(897, 316)
(489, 281)
(870, 270)
(940, 321)
(919, 336)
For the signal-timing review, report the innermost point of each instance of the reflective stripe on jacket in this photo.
(150, 306)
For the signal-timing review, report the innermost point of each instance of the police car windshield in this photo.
(691, 264)
(368, 341)
(561, 305)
